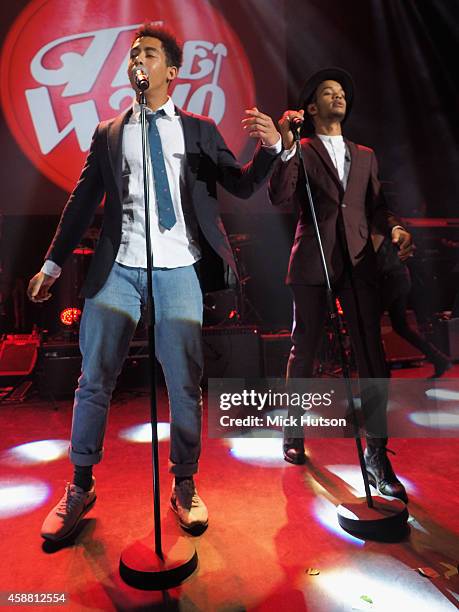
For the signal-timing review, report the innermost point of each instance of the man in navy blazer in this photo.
(348, 202)
(188, 158)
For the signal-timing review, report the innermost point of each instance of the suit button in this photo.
(343, 205)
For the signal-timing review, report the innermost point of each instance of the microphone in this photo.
(140, 75)
(296, 123)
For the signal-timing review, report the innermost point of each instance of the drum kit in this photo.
(232, 306)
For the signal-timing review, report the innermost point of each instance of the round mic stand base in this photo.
(141, 567)
(385, 520)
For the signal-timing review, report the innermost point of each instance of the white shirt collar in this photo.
(326, 138)
(168, 107)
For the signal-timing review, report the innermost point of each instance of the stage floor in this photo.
(269, 521)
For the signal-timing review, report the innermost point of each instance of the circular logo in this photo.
(64, 69)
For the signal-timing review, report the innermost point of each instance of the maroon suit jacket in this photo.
(341, 214)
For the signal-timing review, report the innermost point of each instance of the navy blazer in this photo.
(208, 162)
(343, 215)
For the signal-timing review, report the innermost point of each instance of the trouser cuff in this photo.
(84, 459)
(183, 469)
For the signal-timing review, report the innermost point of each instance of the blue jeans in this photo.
(107, 326)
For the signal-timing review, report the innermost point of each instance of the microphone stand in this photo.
(373, 517)
(174, 558)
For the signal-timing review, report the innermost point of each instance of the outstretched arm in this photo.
(74, 221)
(284, 179)
(80, 208)
(243, 181)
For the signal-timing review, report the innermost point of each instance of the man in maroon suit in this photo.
(348, 201)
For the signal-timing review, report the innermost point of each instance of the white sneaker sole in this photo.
(195, 529)
(67, 534)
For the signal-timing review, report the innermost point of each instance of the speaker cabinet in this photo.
(275, 350)
(231, 352)
(59, 367)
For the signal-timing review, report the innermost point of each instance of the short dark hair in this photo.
(172, 49)
(312, 100)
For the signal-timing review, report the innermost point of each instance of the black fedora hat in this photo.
(327, 74)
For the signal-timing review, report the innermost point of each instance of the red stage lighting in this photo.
(338, 306)
(70, 316)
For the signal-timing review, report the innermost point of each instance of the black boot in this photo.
(294, 450)
(441, 363)
(381, 474)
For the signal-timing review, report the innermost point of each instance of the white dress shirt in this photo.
(171, 248)
(339, 154)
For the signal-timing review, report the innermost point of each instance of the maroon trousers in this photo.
(360, 299)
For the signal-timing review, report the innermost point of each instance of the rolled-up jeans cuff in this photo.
(84, 459)
(183, 469)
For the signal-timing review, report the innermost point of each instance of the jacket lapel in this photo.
(192, 136)
(354, 153)
(115, 146)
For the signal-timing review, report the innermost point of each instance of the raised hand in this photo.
(260, 126)
(286, 122)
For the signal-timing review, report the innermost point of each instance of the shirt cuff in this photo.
(51, 269)
(274, 149)
(288, 153)
(397, 227)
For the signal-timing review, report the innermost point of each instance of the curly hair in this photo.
(172, 49)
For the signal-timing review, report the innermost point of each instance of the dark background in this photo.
(402, 56)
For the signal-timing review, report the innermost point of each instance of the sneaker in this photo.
(189, 507)
(64, 518)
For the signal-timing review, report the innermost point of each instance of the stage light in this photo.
(264, 451)
(325, 513)
(387, 582)
(443, 394)
(415, 524)
(19, 496)
(142, 433)
(350, 474)
(436, 420)
(262, 447)
(40, 451)
(70, 316)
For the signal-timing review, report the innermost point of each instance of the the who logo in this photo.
(64, 69)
